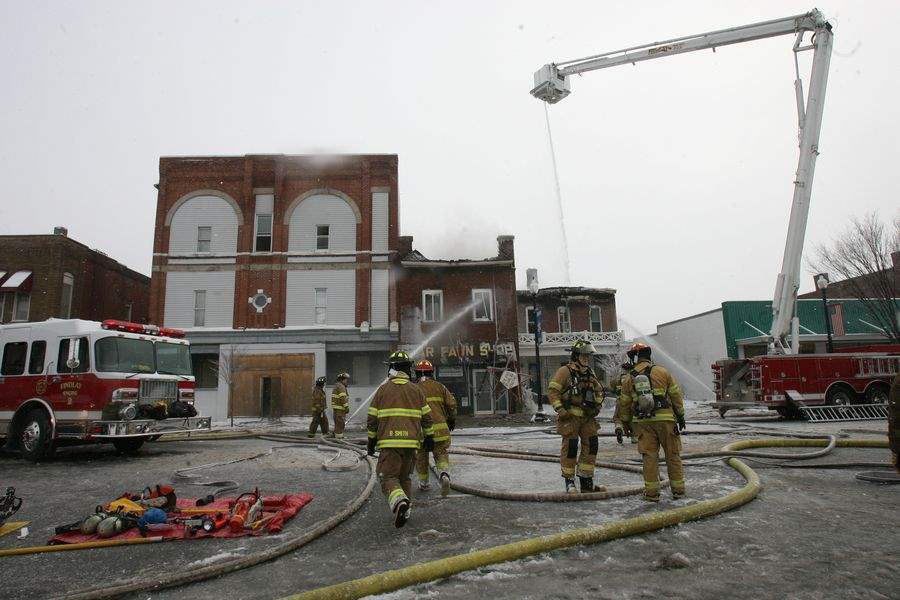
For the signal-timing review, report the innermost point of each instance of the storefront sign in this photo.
(469, 350)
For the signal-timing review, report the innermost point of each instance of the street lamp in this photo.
(533, 287)
(822, 283)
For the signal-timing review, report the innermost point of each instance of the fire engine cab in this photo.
(69, 381)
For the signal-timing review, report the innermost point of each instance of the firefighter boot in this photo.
(570, 486)
(445, 484)
(424, 486)
(587, 485)
(401, 513)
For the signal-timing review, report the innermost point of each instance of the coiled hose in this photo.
(389, 581)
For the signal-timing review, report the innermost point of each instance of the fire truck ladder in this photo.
(837, 412)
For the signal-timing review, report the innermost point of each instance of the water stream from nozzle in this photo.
(559, 202)
(418, 349)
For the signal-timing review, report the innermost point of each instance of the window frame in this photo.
(490, 305)
(559, 312)
(327, 237)
(320, 307)
(68, 293)
(599, 321)
(200, 240)
(84, 348)
(3, 364)
(434, 294)
(43, 355)
(257, 236)
(15, 312)
(530, 326)
(200, 309)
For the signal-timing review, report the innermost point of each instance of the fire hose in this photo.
(389, 581)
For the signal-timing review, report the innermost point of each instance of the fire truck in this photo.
(70, 381)
(849, 384)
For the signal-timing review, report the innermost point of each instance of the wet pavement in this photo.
(810, 533)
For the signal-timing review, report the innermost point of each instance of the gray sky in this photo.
(676, 173)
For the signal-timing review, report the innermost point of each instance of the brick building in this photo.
(44, 276)
(567, 314)
(461, 315)
(279, 269)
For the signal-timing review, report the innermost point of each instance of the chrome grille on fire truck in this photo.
(158, 389)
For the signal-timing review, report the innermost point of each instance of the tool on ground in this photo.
(9, 504)
(241, 510)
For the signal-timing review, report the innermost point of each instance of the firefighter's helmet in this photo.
(343, 375)
(424, 366)
(320, 382)
(638, 348)
(399, 358)
(583, 347)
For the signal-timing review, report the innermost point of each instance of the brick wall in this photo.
(102, 286)
(287, 177)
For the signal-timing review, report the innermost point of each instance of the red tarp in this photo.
(288, 505)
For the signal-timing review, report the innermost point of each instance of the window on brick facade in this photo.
(321, 307)
(263, 233)
(68, 284)
(432, 306)
(22, 306)
(204, 239)
(530, 327)
(3, 307)
(484, 305)
(596, 319)
(322, 233)
(199, 308)
(128, 310)
(565, 325)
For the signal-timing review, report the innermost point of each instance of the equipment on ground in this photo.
(9, 504)
(241, 512)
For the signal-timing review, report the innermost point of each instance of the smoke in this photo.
(473, 240)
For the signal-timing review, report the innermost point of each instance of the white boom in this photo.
(551, 84)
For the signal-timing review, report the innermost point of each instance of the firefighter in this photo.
(340, 404)
(894, 421)
(318, 409)
(443, 416)
(399, 423)
(576, 395)
(652, 405)
(622, 429)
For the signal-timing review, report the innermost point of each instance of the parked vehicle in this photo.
(65, 381)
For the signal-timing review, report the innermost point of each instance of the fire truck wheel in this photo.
(838, 395)
(878, 393)
(128, 445)
(34, 435)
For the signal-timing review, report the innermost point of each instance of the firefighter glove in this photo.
(451, 423)
(561, 413)
(370, 447)
(620, 435)
(428, 444)
(681, 424)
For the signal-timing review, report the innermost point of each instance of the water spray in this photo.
(559, 202)
(418, 349)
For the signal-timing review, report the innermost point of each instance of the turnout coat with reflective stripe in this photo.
(662, 384)
(560, 392)
(399, 416)
(442, 404)
(340, 398)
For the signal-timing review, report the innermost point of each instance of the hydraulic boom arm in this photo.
(552, 85)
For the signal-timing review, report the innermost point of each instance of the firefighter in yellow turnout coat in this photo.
(443, 415)
(652, 405)
(399, 423)
(576, 395)
(318, 409)
(340, 404)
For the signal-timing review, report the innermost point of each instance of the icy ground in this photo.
(810, 534)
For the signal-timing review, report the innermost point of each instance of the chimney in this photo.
(61, 231)
(404, 245)
(505, 248)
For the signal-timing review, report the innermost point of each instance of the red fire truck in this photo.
(69, 381)
(855, 380)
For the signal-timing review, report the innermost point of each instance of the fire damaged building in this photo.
(461, 315)
(279, 270)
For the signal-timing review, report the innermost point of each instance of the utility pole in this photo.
(533, 287)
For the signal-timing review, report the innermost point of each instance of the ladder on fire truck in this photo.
(843, 412)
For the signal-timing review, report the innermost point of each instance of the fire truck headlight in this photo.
(128, 412)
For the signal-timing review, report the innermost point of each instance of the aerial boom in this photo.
(552, 85)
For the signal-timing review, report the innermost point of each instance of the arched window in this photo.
(204, 224)
(322, 223)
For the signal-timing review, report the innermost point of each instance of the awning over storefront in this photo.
(20, 281)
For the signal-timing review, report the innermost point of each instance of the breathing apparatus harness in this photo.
(646, 402)
(581, 384)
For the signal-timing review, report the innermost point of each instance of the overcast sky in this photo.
(675, 173)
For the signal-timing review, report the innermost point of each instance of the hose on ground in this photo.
(81, 546)
(389, 581)
(169, 580)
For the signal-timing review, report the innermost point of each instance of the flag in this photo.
(836, 313)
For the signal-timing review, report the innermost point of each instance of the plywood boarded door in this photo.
(290, 395)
